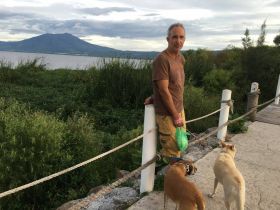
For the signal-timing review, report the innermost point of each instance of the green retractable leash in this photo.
(182, 138)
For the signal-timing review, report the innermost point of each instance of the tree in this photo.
(276, 40)
(199, 63)
(247, 41)
(217, 80)
(261, 38)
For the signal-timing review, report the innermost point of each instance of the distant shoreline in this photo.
(58, 61)
(49, 53)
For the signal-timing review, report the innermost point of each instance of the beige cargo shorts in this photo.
(167, 132)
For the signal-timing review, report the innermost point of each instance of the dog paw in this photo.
(211, 195)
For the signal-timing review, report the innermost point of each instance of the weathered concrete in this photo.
(258, 159)
(270, 114)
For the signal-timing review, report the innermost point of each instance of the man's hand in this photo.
(149, 100)
(178, 121)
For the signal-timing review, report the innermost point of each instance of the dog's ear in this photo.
(192, 169)
(223, 144)
(231, 147)
(188, 169)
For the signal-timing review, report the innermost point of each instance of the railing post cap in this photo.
(226, 90)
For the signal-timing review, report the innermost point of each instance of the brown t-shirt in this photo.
(172, 69)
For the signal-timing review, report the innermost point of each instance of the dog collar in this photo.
(174, 160)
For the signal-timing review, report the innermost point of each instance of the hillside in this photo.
(68, 44)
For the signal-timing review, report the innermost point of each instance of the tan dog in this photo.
(183, 192)
(230, 177)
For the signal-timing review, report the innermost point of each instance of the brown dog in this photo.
(183, 192)
(230, 177)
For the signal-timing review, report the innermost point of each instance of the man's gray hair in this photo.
(173, 26)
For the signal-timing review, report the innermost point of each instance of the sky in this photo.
(141, 25)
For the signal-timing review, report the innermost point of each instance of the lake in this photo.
(56, 61)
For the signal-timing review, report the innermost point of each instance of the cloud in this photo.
(7, 15)
(24, 31)
(216, 5)
(151, 14)
(275, 3)
(140, 29)
(214, 23)
(123, 29)
(104, 11)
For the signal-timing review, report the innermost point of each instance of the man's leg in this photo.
(167, 139)
(167, 132)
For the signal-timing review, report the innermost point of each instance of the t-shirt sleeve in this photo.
(160, 69)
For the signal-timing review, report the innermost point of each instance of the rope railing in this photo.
(44, 179)
(205, 116)
(229, 103)
(9, 192)
(231, 121)
(109, 188)
(106, 189)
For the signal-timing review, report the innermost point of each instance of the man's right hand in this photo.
(149, 100)
(178, 121)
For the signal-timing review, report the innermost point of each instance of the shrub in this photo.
(217, 80)
(30, 149)
(197, 103)
(237, 127)
(35, 144)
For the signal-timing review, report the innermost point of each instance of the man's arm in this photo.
(168, 102)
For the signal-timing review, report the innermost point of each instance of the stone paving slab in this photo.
(258, 159)
(271, 114)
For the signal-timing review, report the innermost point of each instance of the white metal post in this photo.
(224, 113)
(277, 91)
(148, 150)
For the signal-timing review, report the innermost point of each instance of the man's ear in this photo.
(167, 38)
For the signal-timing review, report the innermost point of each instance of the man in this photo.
(168, 89)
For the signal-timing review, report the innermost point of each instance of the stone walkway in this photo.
(258, 159)
(270, 114)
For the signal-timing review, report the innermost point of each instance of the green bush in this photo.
(30, 149)
(197, 103)
(217, 80)
(35, 144)
(237, 127)
(262, 65)
(198, 63)
(121, 84)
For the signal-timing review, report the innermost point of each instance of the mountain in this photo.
(68, 44)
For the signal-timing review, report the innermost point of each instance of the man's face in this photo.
(176, 39)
